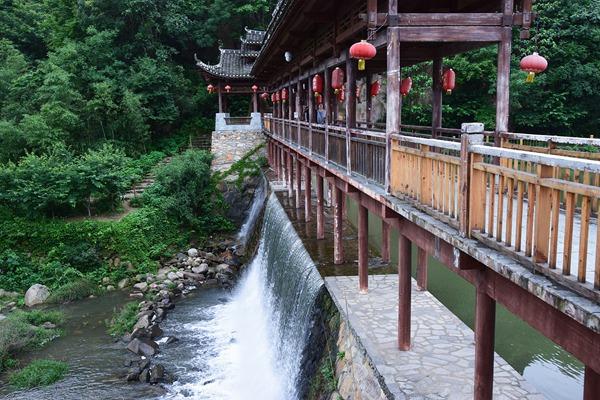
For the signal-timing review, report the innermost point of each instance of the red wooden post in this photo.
(368, 99)
(326, 101)
(421, 269)
(220, 98)
(404, 292)
(320, 208)
(591, 384)
(338, 247)
(298, 183)
(503, 80)
(385, 241)
(307, 193)
(350, 108)
(290, 175)
(363, 248)
(485, 321)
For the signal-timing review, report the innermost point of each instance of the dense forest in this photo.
(94, 94)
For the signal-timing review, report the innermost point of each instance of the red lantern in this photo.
(284, 95)
(254, 88)
(375, 86)
(405, 86)
(337, 79)
(277, 97)
(317, 85)
(533, 64)
(362, 50)
(273, 99)
(341, 95)
(210, 89)
(264, 96)
(227, 88)
(449, 80)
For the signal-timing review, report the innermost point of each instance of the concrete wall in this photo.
(221, 124)
(229, 146)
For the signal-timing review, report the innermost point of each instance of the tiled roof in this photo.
(234, 63)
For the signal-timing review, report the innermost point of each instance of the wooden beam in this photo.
(450, 34)
(485, 321)
(422, 269)
(393, 118)
(350, 108)
(436, 98)
(385, 241)
(363, 248)
(307, 193)
(338, 246)
(404, 291)
(320, 209)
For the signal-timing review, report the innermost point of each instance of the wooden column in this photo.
(393, 95)
(255, 102)
(368, 99)
(503, 81)
(404, 292)
(385, 241)
(311, 114)
(422, 265)
(298, 183)
(338, 246)
(485, 321)
(363, 248)
(327, 104)
(591, 384)
(436, 115)
(220, 98)
(298, 107)
(290, 173)
(350, 107)
(307, 192)
(320, 208)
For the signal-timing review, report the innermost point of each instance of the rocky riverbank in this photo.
(216, 265)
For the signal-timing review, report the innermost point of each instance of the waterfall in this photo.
(258, 202)
(259, 338)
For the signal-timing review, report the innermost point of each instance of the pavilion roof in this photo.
(236, 64)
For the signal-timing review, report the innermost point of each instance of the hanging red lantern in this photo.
(341, 94)
(317, 85)
(362, 51)
(337, 79)
(284, 95)
(227, 88)
(254, 88)
(264, 96)
(533, 64)
(449, 80)
(277, 97)
(210, 89)
(405, 86)
(375, 86)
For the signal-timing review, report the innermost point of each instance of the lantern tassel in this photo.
(361, 64)
(530, 77)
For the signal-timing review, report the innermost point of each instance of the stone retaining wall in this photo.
(229, 146)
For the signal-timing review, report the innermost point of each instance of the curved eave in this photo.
(213, 71)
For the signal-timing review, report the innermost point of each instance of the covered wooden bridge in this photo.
(514, 214)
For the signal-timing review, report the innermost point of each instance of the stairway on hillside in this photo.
(201, 142)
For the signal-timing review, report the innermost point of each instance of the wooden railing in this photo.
(526, 204)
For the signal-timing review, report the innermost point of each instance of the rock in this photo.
(141, 286)
(144, 364)
(48, 325)
(192, 252)
(180, 274)
(2, 316)
(129, 266)
(172, 276)
(171, 339)
(36, 294)
(180, 256)
(133, 374)
(157, 373)
(137, 295)
(142, 323)
(201, 269)
(123, 283)
(154, 331)
(105, 280)
(222, 267)
(160, 314)
(144, 376)
(5, 293)
(194, 276)
(110, 288)
(143, 347)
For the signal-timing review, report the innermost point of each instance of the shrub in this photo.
(38, 317)
(123, 320)
(39, 373)
(72, 291)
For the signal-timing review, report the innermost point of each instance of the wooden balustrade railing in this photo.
(534, 206)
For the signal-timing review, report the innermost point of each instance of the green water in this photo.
(546, 366)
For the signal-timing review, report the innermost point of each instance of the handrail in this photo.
(552, 138)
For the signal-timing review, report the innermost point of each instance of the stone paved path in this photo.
(441, 361)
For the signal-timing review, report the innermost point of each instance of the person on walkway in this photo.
(320, 115)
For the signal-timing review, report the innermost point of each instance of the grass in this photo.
(123, 320)
(21, 331)
(72, 291)
(39, 373)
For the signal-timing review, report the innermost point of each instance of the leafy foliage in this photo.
(123, 320)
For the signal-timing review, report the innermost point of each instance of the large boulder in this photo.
(143, 347)
(192, 252)
(36, 294)
(141, 286)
